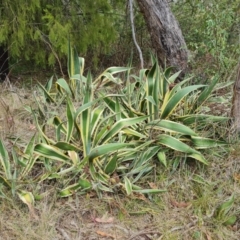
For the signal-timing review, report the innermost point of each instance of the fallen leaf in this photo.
(104, 234)
(104, 219)
(236, 177)
(152, 185)
(208, 235)
(116, 177)
(32, 127)
(140, 196)
(179, 204)
(234, 228)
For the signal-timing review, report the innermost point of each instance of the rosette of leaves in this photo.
(173, 112)
(90, 147)
(109, 141)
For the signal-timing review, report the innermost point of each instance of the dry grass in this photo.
(186, 211)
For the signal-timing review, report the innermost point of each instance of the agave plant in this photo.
(173, 110)
(90, 140)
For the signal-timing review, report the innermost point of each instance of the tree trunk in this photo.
(235, 112)
(166, 35)
(4, 67)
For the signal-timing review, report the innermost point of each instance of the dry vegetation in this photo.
(186, 211)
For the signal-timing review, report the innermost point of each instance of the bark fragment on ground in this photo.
(235, 112)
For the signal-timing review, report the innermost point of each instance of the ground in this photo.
(187, 210)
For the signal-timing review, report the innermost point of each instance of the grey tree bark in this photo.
(166, 35)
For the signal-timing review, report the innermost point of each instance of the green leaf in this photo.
(205, 93)
(70, 118)
(127, 185)
(199, 157)
(201, 119)
(27, 198)
(83, 108)
(131, 132)
(67, 146)
(170, 126)
(73, 61)
(150, 191)
(117, 110)
(175, 144)
(5, 161)
(116, 128)
(230, 221)
(29, 165)
(176, 99)
(202, 143)
(151, 100)
(112, 165)
(173, 78)
(162, 158)
(29, 148)
(224, 208)
(85, 184)
(107, 149)
(95, 118)
(64, 85)
(41, 132)
(56, 121)
(40, 106)
(50, 152)
(146, 156)
(110, 71)
(48, 85)
(150, 82)
(177, 87)
(199, 179)
(102, 129)
(46, 92)
(86, 118)
(82, 185)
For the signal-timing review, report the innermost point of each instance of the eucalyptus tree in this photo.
(166, 35)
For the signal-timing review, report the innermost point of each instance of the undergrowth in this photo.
(145, 145)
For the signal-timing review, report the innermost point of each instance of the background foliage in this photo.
(100, 30)
(39, 30)
(211, 30)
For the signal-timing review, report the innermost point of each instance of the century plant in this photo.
(90, 139)
(89, 136)
(173, 111)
